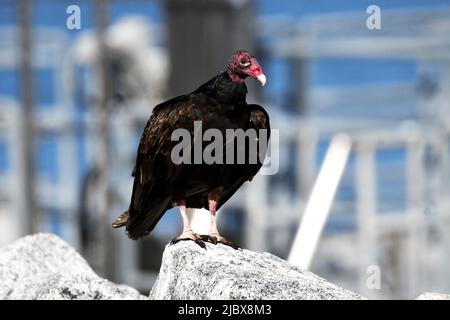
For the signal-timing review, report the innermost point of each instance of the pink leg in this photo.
(214, 235)
(186, 225)
(212, 209)
(187, 233)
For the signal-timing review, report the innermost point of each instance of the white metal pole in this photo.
(320, 200)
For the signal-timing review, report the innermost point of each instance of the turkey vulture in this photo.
(161, 184)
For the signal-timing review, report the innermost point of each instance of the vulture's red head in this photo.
(243, 65)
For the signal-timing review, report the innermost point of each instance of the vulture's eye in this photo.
(245, 63)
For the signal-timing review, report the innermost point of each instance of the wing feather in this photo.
(258, 119)
(154, 168)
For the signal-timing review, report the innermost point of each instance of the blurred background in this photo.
(73, 103)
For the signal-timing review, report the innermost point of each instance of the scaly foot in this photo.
(217, 238)
(189, 235)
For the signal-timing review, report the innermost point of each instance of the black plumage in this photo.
(159, 183)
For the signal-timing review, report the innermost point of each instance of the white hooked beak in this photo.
(262, 79)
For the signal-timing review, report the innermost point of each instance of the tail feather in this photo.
(143, 222)
(121, 221)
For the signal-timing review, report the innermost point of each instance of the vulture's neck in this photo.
(234, 76)
(230, 91)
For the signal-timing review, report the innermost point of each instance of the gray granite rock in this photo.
(43, 266)
(433, 296)
(220, 272)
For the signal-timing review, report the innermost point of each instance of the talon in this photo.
(231, 244)
(189, 235)
(217, 238)
(213, 239)
(209, 238)
(200, 243)
(236, 247)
